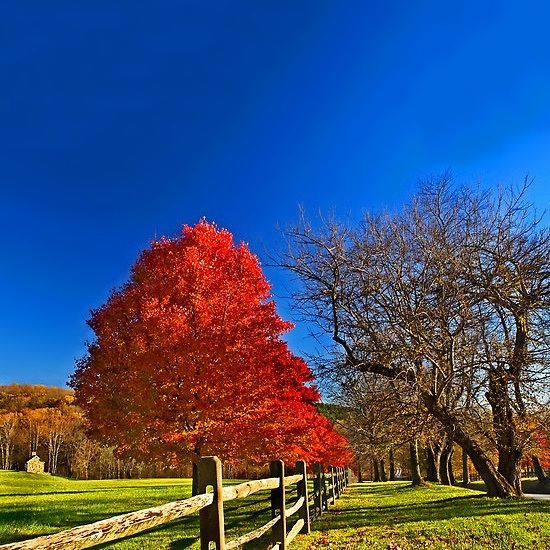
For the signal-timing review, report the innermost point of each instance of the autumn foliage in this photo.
(188, 361)
(540, 448)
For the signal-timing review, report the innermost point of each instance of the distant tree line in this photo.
(45, 420)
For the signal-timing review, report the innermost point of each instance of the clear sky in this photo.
(120, 121)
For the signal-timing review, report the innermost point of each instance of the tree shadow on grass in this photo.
(174, 529)
(171, 535)
(462, 506)
(181, 544)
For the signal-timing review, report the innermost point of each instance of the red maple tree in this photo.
(188, 361)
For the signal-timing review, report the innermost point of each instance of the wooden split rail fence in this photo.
(326, 488)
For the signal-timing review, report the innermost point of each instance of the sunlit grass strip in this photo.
(396, 516)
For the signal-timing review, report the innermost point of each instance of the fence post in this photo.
(317, 491)
(301, 486)
(211, 517)
(278, 505)
(324, 495)
(344, 474)
(333, 484)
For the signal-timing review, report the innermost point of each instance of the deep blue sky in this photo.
(122, 120)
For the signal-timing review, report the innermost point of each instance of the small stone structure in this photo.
(34, 465)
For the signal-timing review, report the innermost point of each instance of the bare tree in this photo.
(83, 454)
(440, 451)
(34, 420)
(449, 297)
(379, 419)
(8, 426)
(60, 425)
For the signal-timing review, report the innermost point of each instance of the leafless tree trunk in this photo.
(433, 457)
(539, 470)
(376, 468)
(392, 465)
(445, 463)
(34, 418)
(84, 452)
(465, 469)
(415, 464)
(59, 426)
(8, 425)
(383, 474)
(379, 418)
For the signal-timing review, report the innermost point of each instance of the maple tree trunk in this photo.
(495, 484)
(444, 469)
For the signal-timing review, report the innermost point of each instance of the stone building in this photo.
(34, 465)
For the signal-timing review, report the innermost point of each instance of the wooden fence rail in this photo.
(209, 503)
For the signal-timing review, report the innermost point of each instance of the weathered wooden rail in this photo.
(211, 511)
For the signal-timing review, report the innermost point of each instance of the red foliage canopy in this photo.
(188, 360)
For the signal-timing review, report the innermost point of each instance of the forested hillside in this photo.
(45, 420)
(18, 397)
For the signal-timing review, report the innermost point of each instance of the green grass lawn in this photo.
(388, 516)
(396, 516)
(34, 505)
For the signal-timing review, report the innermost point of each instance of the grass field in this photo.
(396, 516)
(374, 516)
(34, 505)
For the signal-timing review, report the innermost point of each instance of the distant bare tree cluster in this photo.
(435, 317)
